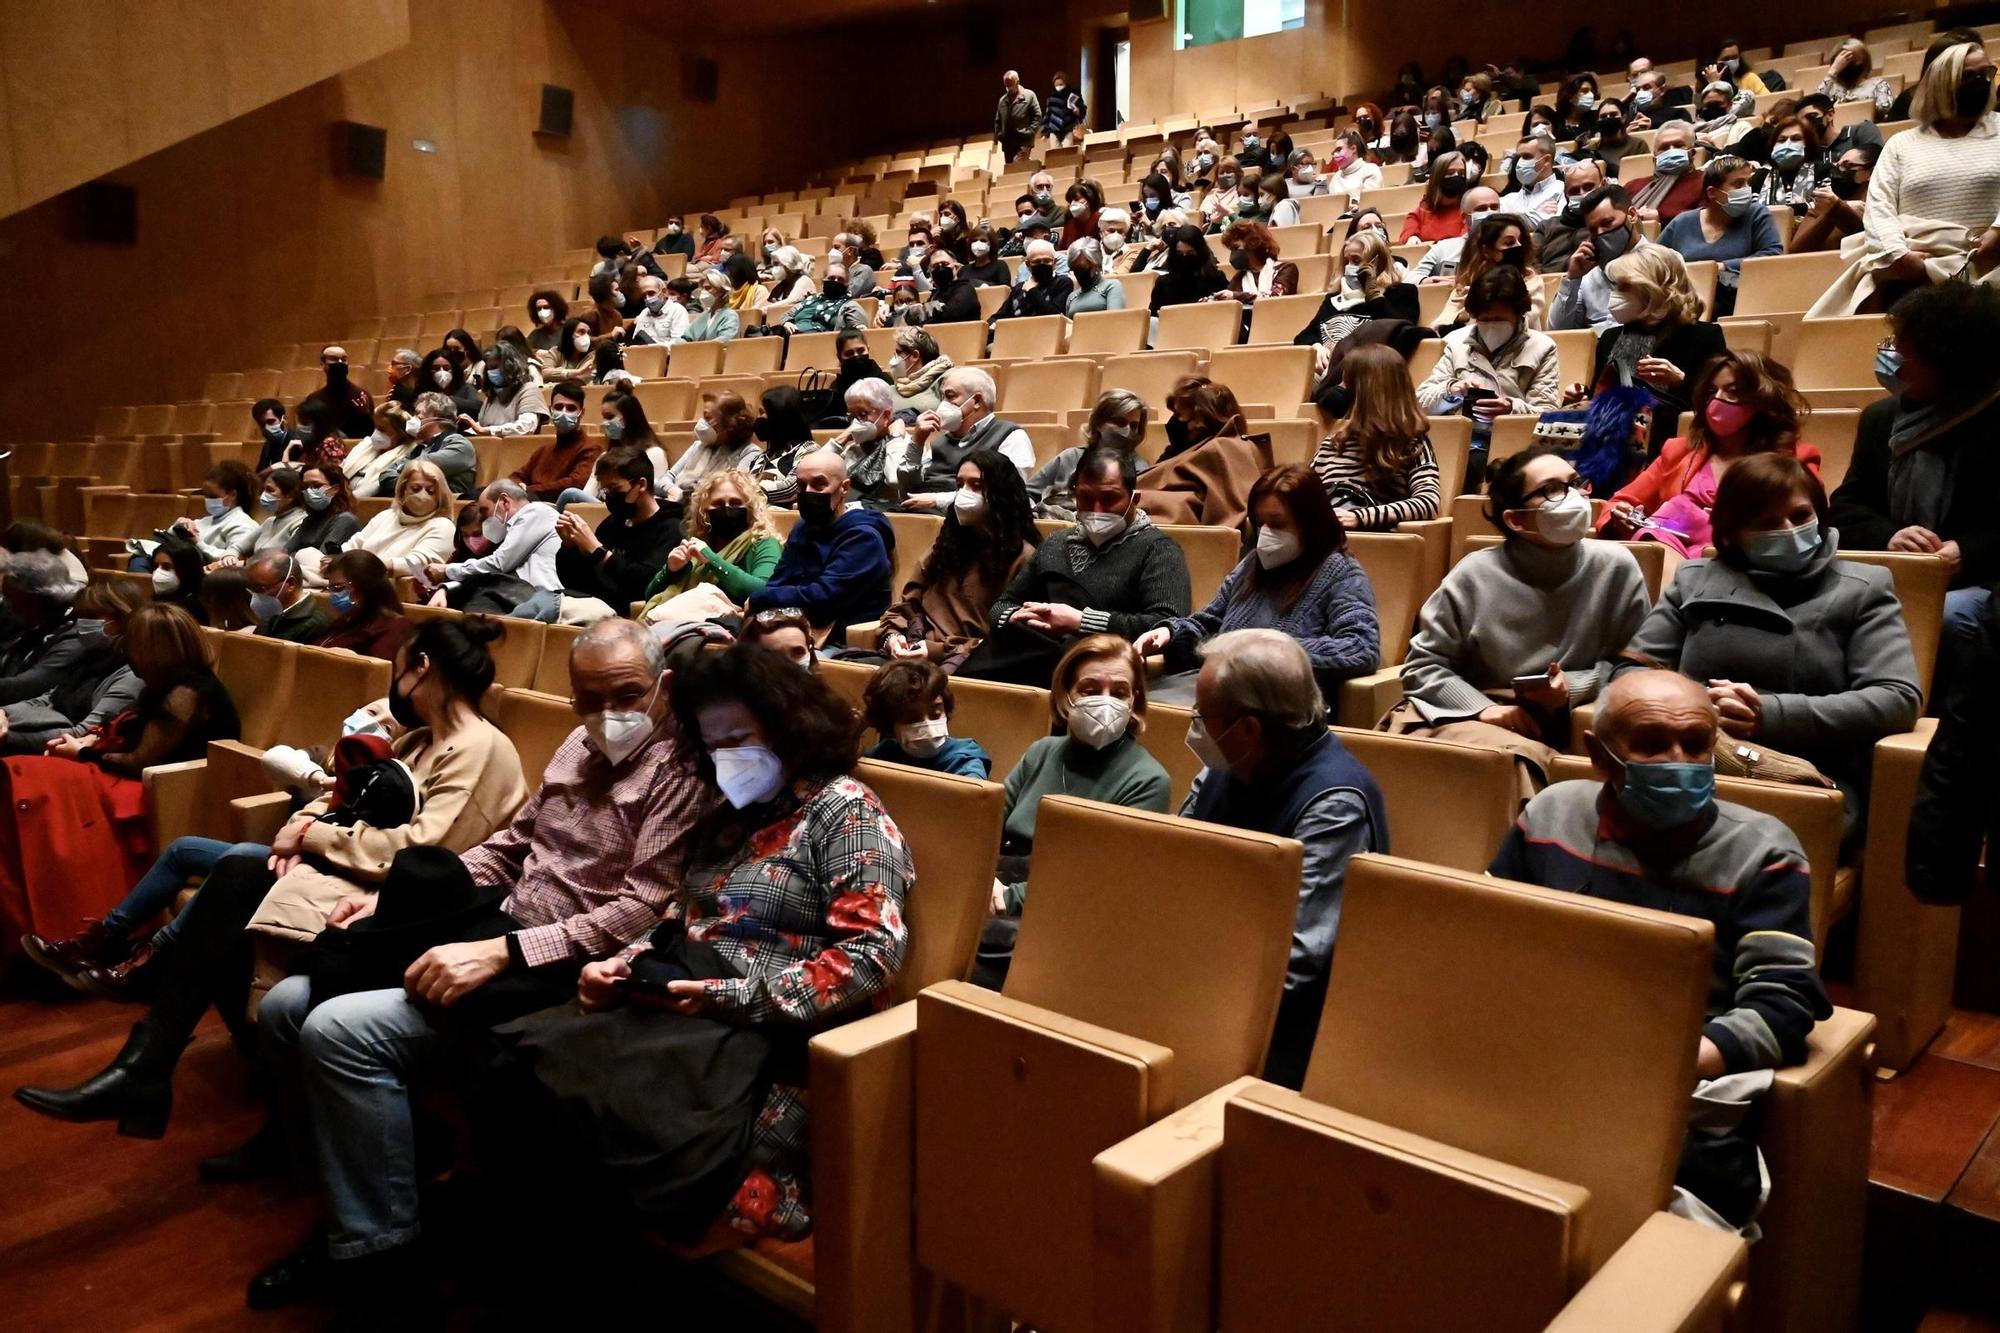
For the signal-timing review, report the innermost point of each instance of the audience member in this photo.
(412, 532)
(513, 400)
(1437, 215)
(725, 437)
(1608, 229)
(1369, 288)
(547, 313)
(1833, 213)
(1501, 240)
(388, 445)
(717, 319)
(1190, 273)
(1016, 118)
(367, 613)
(98, 686)
(1377, 465)
(988, 535)
(517, 576)
(1440, 262)
(836, 562)
(608, 569)
(329, 511)
(225, 528)
(444, 373)
(1797, 166)
(1254, 268)
(909, 705)
(1657, 337)
(963, 421)
(727, 551)
(1270, 764)
(1957, 808)
(874, 444)
(281, 510)
(353, 406)
(1497, 363)
(437, 440)
(1730, 226)
(786, 436)
(1118, 421)
(45, 642)
(280, 443)
(285, 608)
(566, 462)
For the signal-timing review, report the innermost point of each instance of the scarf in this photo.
(736, 553)
(925, 378)
(1921, 479)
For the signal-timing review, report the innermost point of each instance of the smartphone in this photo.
(1537, 681)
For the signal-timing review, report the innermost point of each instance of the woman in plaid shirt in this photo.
(798, 882)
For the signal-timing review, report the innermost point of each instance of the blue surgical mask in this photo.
(494, 377)
(614, 427)
(1524, 172)
(267, 502)
(1738, 201)
(1671, 161)
(1667, 796)
(1889, 369)
(264, 606)
(1787, 154)
(342, 601)
(216, 508)
(1782, 550)
(1642, 99)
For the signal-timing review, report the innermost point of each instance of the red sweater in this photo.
(1422, 224)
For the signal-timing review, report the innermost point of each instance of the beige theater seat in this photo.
(537, 723)
(1480, 1141)
(1395, 563)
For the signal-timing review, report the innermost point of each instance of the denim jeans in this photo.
(1958, 636)
(543, 605)
(351, 1062)
(574, 496)
(184, 859)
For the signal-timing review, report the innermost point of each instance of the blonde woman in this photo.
(1368, 287)
(724, 437)
(1377, 465)
(1658, 341)
(415, 530)
(370, 459)
(729, 547)
(1500, 241)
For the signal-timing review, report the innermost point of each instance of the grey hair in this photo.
(437, 406)
(1038, 247)
(1086, 247)
(1110, 216)
(790, 258)
(506, 488)
(1718, 169)
(873, 394)
(619, 632)
(1267, 673)
(975, 381)
(406, 356)
(43, 574)
(910, 338)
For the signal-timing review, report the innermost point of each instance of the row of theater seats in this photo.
(1454, 1091)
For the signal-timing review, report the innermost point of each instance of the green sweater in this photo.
(738, 581)
(1123, 773)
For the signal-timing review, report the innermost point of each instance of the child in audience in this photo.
(909, 704)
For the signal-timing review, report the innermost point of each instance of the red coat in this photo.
(1676, 466)
(73, 840)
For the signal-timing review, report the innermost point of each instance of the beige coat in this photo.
(467, 789)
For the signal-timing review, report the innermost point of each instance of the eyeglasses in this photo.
(1886, 345)
(782, 617)
(1553, 492)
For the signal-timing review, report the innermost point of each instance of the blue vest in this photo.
(1274, 805)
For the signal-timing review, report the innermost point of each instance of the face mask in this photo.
(950, 417)
(165, 582)
(581, 342)
(1727, 420)
(614, 428)
(1226, 181)
(981, 249)
(1250, 143)
(1974, 92)
(1666, 796)
(566, 421)
(748, 774)
(863, 432)
(1889, 369)
(1044, 198)
(1341, 159)
(275, 432)
(673, 229)
(617, 734)
(1493, 333)
(1203, 164)
(1205, 746)
(1152, 205)
(1611, 244)
(726, 524)
(1114, 241)
(1085, 278)
(1101, 528)
(704, 431)
(1610, 127)
(1118, 435)
(264, 606)
(216, 508)
(942, 276)
(1787, 155)
(544, 315)
(361, 722)
(336, 373)
(1308, 174)
(1239, 259)
(1737, 202)
(706, 298)
(1275, 548)
(1566, 522)
(1452, 187)
(1433, 120)
(267, 501)
(1643, 98)
(1466, 97)
(1078, 207)
(342, 603)
(317, 498)
(834, 289)
(1782, 550)
(1524, 173)
(816, 508)
(441, 378)
(418, 504)
(968, 504)
(494, 529)
(1043, 272)
(1513, 255)
(922, 740)
(1350, 276)
(1671, 161)
(1097, 720)
(494, 377)
(1586, 101)
(1714, 110)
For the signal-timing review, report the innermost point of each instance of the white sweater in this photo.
(1922, 174)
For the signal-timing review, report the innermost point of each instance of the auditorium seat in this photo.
(1198, 325)
(537, 723)
(696, 360)
(753, 356)
(1151, 375)
(517, 653)
(1280, 377)
(1031, 336)
(1047, 386)
(1277, 319)
(1394, 563)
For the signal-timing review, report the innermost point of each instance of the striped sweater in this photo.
(1378, 503)
(1739, 870)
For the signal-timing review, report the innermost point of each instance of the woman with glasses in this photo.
(785, 631)
(1519, 634)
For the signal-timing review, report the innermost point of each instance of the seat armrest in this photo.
(866, 634)
(864, 1166)
(1364, 699)
(1436, 533)
(1671, 1276)
(1154, 1198)
(258, 818)
(174, 799)
(1906, 952)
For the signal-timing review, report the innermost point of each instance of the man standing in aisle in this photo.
(1016, 119)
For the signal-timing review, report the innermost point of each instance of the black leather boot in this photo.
(136, 1089)
(299, 1276)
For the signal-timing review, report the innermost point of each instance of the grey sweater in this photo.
(1124, 587)
(1826, 649)
(1511, 610)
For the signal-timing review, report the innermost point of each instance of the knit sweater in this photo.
(960, 755)
(1124, 587)
(1511, 610)
(1378, 501)
(404, 544)
(1122, 773)
(1741, 871)
(1922, 174)
(1333, 618)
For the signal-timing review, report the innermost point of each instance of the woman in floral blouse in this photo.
(798, 882)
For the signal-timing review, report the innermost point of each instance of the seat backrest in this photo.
(646, 360)
(952, 825)
(1139, 291)
(1100, 332)
(517, 653)
(1576, 352)
(257, 672)
(538, 724)
(962, 342)
(1278, 319)
(1921, 583)
(1201, 325)
(552, 666)
(1838, 353)
(327, 686)
(1210, 553)
(811, 351)
(1190, 955)
(1831, 430)
(1004, 719)
(1451, 443)
(1780, 284)
(1048, 386)
(752, 356)
(671, 400)
(695, 360)
(1165, 738)
(1028, 335)
(1544, 1029)
(1394, 562)
(1448, 805)
(914, 534)
(1278, 376)
(1151, 375)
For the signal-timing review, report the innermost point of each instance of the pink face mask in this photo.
(1728, 420)
(1342, 158)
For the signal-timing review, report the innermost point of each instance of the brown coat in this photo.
(950, 618)
(554, 467)
(1209, 484)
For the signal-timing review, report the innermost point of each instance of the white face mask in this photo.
(923, 739)
(581, 342)
(362, 722)
(1275, 548)
(969, 504)
(1097, 720)
(950, 417)
(704, 432)
(1351, 275)
(544, 315)
(748, 774)
(1566, 522)
(706, 296)
(1494, 333)
(1114, 241)
(1205, 746)
(166, 582)
(1078, 207)
(1101, 528)
(618, 734)
(980, 249)
(861, 432)
(441, 378)
(1623, 309)
(494, 529)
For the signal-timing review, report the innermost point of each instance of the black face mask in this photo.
(1517, 255)
(942, 275)
(1043, 272)
(1611, 127)
(1085, 278)
(1452, 187)
(1846, 187)
(337, 373)
(725, 524)
(816, 509)
(1711, 110)
(401, 708)
(617, 505)
(861, 368)
(834, 288)
(762, 429)
(1239, 259)
(1975, 91)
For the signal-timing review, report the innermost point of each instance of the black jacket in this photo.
(1860, 507)
(1182, 288)
(1958, 803)
(1689, 347)
(1399, 302)
(631, 556)
(956, 304)
(1048, 298)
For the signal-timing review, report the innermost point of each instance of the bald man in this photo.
(1017, 117)
(279, 600)
(1652, 834)
(836, 564)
